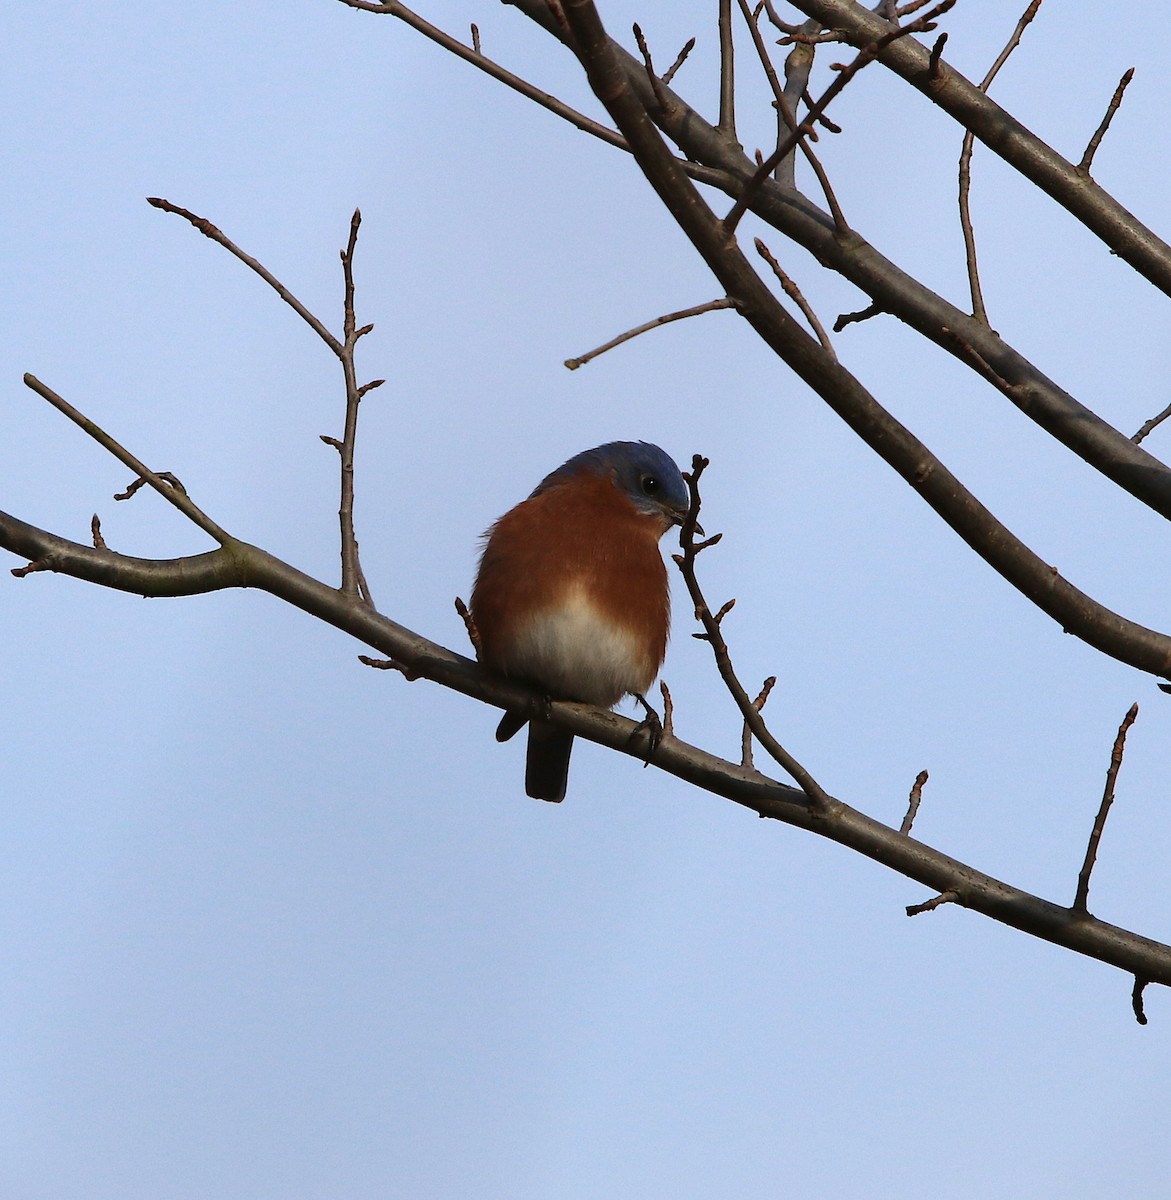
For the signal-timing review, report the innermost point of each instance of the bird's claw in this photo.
(652, 726)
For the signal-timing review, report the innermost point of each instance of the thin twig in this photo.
(746, 736)
(216, 235)
(936, 55)
(797, 68)
(163, 482)
(710, 306)
(794, 292)
(822, 120)
(819, 799)
(390, 664)
(864, 56)
(655, 82)
(135, 484)
(871, 310)
(913, 802)
(688, 46)
(668, 710)
(801, 38)
(752, 20)
(475, 38)
(474, 56)
(1136, 999)
(948, 897)
(979, 312)
(1151, 424)
(727, 121)
(469, 624)
(1083, 879)
(1100, 132)
(784, 26)
(1012, 43)
(353, 579)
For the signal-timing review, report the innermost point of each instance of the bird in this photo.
(571, 595)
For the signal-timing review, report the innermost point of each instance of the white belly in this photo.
(578, 654)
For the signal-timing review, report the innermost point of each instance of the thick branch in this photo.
(158, 577)
(1077, 612)
(896, 292)
(1149, 255)
(242, 565)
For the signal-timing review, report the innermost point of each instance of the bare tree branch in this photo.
(1078, 613)
(1083, 880)
(913, 802)
(640, 104)
(353, 578)
(682, 314)
(856, 318)
(1100, 132)
(758, 704)
(797, 66)
(950, 896)
(794, 292)
(237, 564)
(473, 55)
(164, 483)
(220, 238)
(727, 122)
(1136, 999)
(896, 292)
(1153, 423)
(866, 55)
(243, 565)
(749, 709)
(978, 309)
(1136, 245)
(688, 46)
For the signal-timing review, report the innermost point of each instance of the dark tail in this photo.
(547, 763)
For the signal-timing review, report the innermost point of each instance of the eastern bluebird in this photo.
(571, 595)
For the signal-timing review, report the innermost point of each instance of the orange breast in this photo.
(572, 593)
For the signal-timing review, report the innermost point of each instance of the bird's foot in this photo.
(651, 726)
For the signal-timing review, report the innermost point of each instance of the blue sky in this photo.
(275, 925)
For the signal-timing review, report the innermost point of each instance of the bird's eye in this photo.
(650, 485)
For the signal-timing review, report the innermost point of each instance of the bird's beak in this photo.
(680, 518)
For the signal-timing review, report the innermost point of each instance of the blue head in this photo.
(647, 474)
